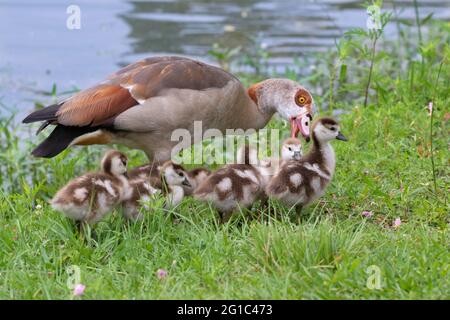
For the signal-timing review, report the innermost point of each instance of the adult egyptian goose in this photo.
(298, 183)
(91, 196)
(142, 104)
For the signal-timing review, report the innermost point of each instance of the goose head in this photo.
(115, 163)
(289, 99)
(174, 174)
(291, 149)
(327, 129)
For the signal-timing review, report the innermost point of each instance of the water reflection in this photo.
(287, 28)
(42, 51)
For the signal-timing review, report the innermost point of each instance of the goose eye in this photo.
(301, 100)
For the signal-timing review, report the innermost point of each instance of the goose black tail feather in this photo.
(44, 114)
(59, 140)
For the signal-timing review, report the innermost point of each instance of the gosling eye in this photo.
(333, 129)
(181, 174)
(290, 149)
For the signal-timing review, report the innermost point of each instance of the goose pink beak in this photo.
(301, 124)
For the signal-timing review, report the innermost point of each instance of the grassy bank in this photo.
(389, 168)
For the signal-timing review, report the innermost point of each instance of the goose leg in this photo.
(131, 212)
(263, 207)
(225, 216)
(298, 212)
(83, 229)
(79, 226)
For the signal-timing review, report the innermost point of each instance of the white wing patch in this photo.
(296, 179)
(315, 167)
(107, 185)
(80, 194)
(225, 184)
(246, 174)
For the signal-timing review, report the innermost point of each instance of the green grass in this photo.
(325, 256)
(385, 168)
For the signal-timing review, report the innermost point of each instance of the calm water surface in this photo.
(37, 50)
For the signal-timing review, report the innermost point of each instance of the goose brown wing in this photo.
(99, 105)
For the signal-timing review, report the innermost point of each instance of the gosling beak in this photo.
(297, 155)
(340, 136)
(301, 124)
(186, 183)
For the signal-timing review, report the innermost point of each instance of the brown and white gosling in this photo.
(173, 177)
(194, 176)
(237, 186)
(91, 196)
(298, 183)
(291, 149)
(231, 187)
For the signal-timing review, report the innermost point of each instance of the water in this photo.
(38, 50)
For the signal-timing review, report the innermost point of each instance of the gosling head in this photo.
(114, 162)
(174, 174)
(291, 149)
(327, 129)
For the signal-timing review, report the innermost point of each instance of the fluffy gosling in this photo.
(291, 149)
(91, 196)
(173, 178)
(298, 183)
(195, 176)
(237, 186)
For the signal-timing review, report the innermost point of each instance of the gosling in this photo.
(237, 186)
(150, 171)
(173, 178)
(298, 183)
(91, 196)
(291, 149)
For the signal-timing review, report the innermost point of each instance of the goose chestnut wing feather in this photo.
(131, 86)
